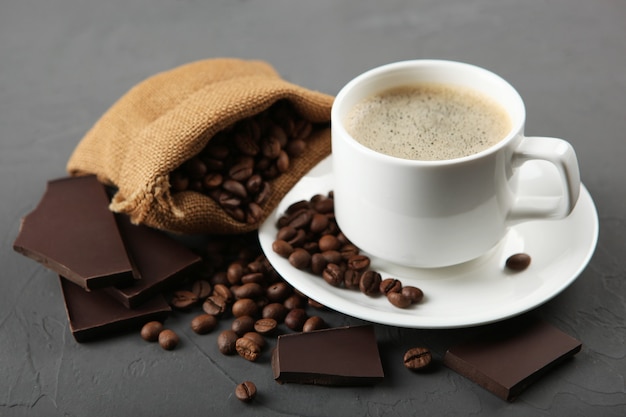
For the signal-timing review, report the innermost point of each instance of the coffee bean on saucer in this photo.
(518, 261)
(246, 391)
(390, 285)
(398, 299)
(417, 358)
(370, 283)
(413, 293)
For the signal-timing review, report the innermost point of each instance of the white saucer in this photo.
(477, 292)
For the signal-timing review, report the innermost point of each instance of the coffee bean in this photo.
(253, 278)
(234, 272)
(294, 301)
(286, 233)
(313, 323)
(319, 223)
(329, 242)
(253, 183)
(246, 391)
(398, 299)
(254, 213)
(348, 250)
(295, 148)
(246, 144)
(212, 180)
(300, 259)
(295, 319)
(244, 307)
(247, 349)
(196, 168)
(150, 331)
(242, 325)
(417, 358)
(390, 285)
(351, 279)
(333, 274)
(278, 291)
(300, 219)
(203, 324)
(283, 162)
(318, 263)
(358, 262)
(226, 342)
(214, 305)
(249, 290)
(223, 292)
(243, 170)
(201, 288)
(183, 299)
(370, 283)
(256, 338)
(265, 325)
(413, 293)
(518, 261)
(235, 188)
(264, 193)
(333, 257)
(168, 339)
(275, 311)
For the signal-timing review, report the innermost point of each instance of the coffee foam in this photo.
(428, 121)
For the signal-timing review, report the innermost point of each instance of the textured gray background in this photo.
(64, 62)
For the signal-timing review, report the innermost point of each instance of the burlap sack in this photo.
(170, 117)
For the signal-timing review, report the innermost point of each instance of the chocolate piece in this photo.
(159, 259)
(73, 232)
(339, 356)
(510, 359)
(95, 314)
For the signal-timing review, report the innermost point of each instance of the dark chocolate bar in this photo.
(73, 232)
(339, 356)
(95, 314)
(159, 258)
(510, 359)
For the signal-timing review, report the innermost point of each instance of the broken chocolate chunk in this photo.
(73, 232)
(95, 314)
(513, 357)
(338, 356)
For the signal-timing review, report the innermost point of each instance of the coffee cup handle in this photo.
(561, 154)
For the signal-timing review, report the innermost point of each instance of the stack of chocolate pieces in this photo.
(112, 272)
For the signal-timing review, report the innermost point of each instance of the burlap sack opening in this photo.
(169, 118)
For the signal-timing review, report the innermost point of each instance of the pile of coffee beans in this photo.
(309, 237)
(238, 164)
(239, 285)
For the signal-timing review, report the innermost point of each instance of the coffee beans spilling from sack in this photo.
(309, 237)
(238, 163)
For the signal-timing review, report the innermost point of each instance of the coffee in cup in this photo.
(428, 121)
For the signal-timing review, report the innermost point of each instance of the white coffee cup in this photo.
(445, 212)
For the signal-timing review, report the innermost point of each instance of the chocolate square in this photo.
(338, 356)
(510, 359)
(159, 258)
(95, 314)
